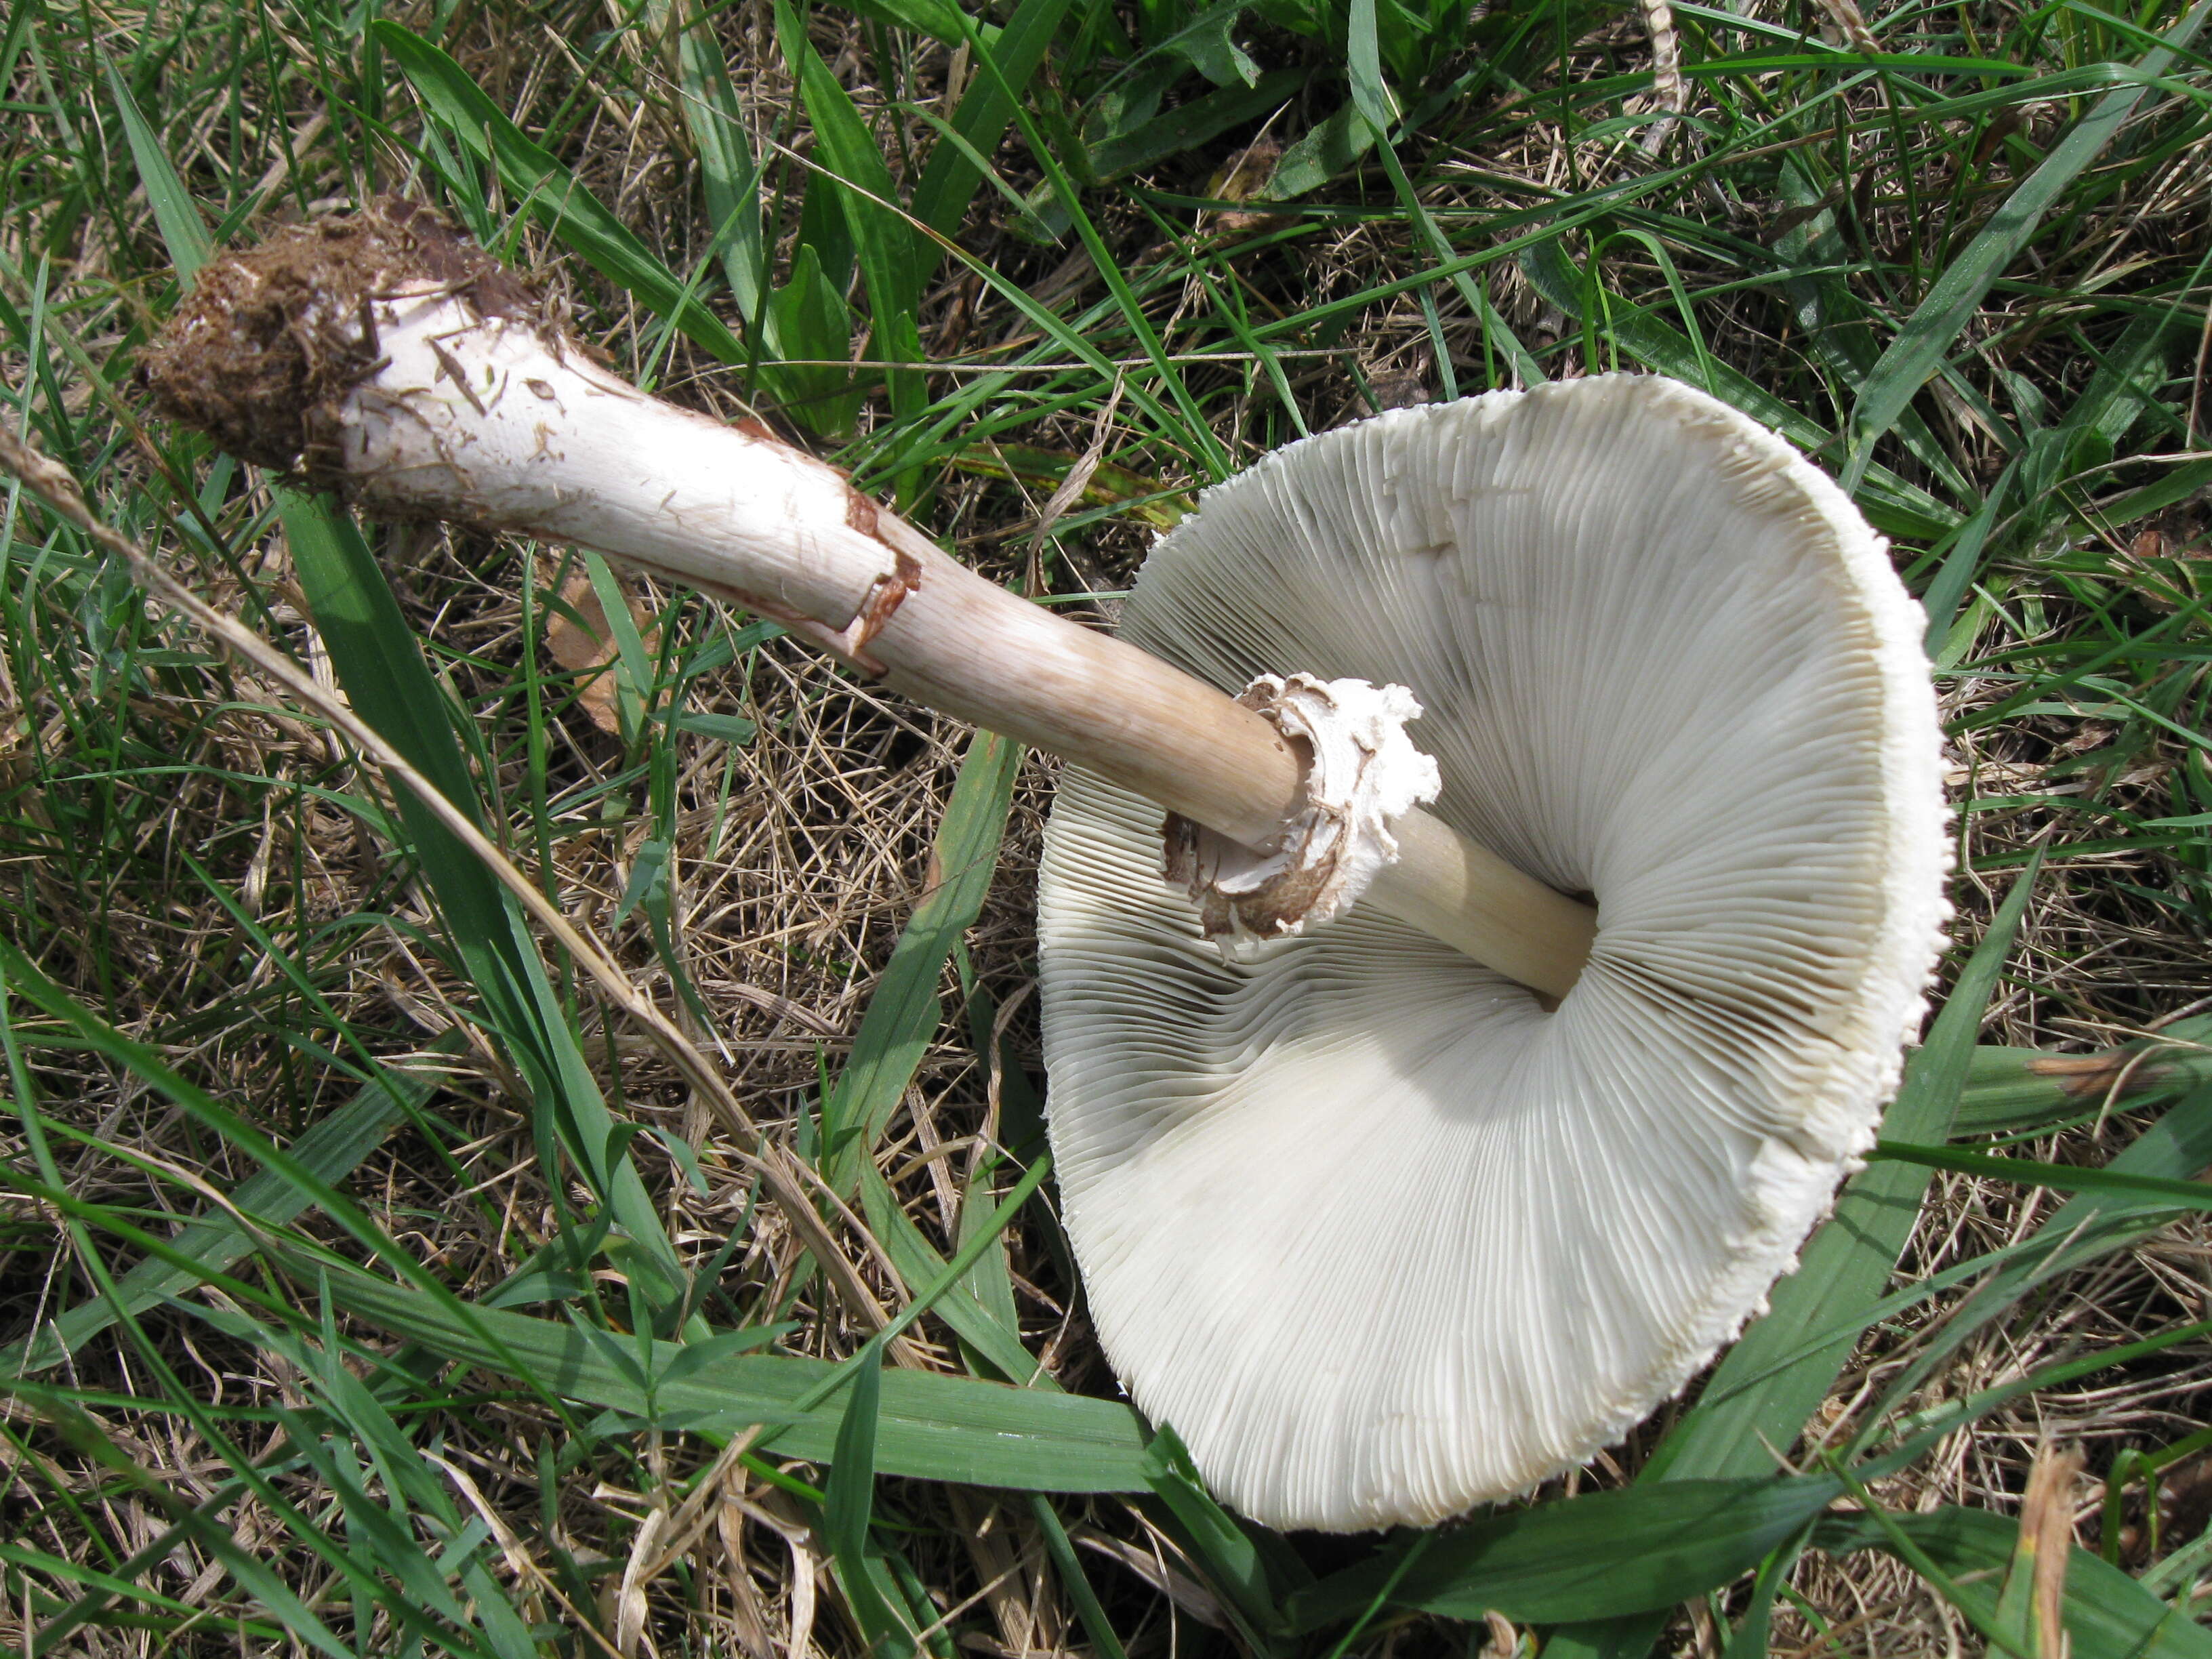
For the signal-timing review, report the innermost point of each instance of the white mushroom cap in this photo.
(1376, 1234)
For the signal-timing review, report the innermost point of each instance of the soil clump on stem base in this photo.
(271, 340)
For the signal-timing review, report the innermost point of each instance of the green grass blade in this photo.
(992, 1284)
(331, 1149)
(559, 201)
(2108, 1615)
(904, 1014)
(941, 20)
(1605, 1555)
(918, 1263)
(729, 176)
(2060, 1177)
(889, 252)
(381, 668)
(1920, 348)
(847, 1507)
(2017, 1089)
(1184, 129)
(1253, 1580)
(1095, 1624)
(1370, 93)
(174, 211)
(931, 1427)
(951, 178)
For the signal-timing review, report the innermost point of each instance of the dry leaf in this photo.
(585, 646)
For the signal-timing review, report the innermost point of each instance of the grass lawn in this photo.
(615, 1221)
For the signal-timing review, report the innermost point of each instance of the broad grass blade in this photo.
(930, 1427)
(2012, 1090)
(1960, 565)
(2108, 1615)
(1604, 1555)
(728, 175)
(1936, 322)
(941, 20)
(183, 230)
(381, 669)
(992, 1284)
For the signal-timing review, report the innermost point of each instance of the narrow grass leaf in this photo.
(1251, 1572)
(381, 668)
(950, 177)
(848, 1506)
(1185, 127)
(1893, 505)
(1960, 565)
(729, 177)
(331, 1149)
(889, 252)
(578, 218)
(941, 20)
(2184, 481)
(904, 1012)
(992, 1283)
(1928, 335)
(1370, 93)
(2060, 1177)
(918, 1263)
(1095, 1624)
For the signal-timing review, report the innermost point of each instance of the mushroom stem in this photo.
(384, 356)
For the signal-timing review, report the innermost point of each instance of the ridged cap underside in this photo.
(1380, 1237)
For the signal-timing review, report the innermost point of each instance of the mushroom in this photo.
(1377, 1233)
(1389, 1204)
